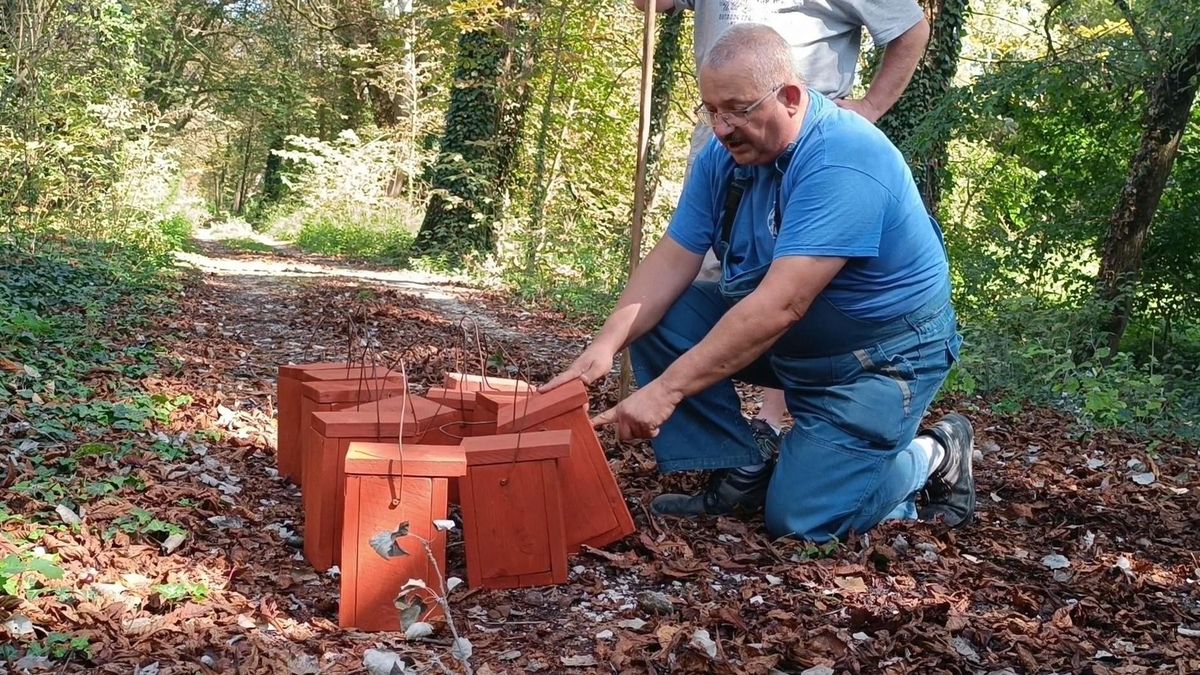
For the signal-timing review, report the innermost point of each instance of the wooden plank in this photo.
(540, 407)
(386, 459)
(376, 581)
(348, 602)
(552, 504)
(509, 448)
(596, 513)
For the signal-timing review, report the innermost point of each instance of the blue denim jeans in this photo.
(857, 392)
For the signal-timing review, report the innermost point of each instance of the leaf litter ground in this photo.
(1077, 561)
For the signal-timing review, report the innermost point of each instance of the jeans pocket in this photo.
(893, 371)
(954, 349)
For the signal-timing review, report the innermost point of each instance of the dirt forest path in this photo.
(1073, 566)
(248, 313)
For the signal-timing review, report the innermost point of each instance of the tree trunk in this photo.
(541, 183)
(484, 127)
(460, 185)
(1170, 97)
(523, 31)
(273, 185)
(239, 203)
(930, 84)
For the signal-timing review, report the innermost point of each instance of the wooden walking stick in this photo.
(639, 181)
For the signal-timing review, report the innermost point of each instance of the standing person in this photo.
(825, 38)
(836, 288)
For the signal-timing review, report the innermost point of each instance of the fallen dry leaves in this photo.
(1120, 593)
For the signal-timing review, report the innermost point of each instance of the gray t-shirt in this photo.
(825, 34)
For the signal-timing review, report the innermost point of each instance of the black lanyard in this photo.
(737, 189)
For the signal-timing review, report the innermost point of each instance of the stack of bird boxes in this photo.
(378, 469)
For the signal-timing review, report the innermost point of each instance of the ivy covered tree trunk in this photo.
(457, 218)
(484, 131)
(930, 84)
(273, 186)
(1170, 98)
(523, 31)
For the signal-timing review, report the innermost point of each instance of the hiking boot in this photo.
(950, 490)
(729, 491)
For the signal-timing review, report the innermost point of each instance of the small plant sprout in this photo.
(416, 599)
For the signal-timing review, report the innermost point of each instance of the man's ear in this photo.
(792, 95)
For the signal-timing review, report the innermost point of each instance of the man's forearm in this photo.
(745, 333)
(900, 59)
(751, 326)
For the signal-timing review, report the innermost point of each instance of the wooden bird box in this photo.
(595, 514)
(324, 396)
(512, 509)
(289, 396)
(330, 436)
(385, 488)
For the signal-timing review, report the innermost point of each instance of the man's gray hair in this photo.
(759, 46)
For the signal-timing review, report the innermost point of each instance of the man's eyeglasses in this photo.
(735, 118)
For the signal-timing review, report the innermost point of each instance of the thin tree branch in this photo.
(1133, 26)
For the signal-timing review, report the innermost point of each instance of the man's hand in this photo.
(593, 364)
(640, 415)
(861, 106)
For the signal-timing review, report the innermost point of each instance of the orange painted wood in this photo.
(468, 382)
(329, 438)
(382, 419)
(512, 509)
(540, 407)
(422, 459)
(355, 373)
(460, 399)
(596, 513)
(336, 395)
(493, 401)
(481, 420)
(378, 499)
(477, 421)
(443, 433)
(287, 409)
(290, 395)
(352, 391)
(293, 370)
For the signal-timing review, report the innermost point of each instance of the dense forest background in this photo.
(1056, 142)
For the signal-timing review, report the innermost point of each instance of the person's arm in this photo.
(901, 57)
(746, 331)
(659, 5)
(658, 281)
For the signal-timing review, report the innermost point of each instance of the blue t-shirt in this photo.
(845, 192)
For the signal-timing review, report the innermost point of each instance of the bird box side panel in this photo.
(287, 392)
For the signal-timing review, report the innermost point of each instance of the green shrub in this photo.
(355, 240)
(1024, 351)
(177, 232)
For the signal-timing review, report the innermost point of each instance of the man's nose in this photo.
(721, 128)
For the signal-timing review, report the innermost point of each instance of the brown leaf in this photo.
(851, 584)
(1062, 618)
(666, 634)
